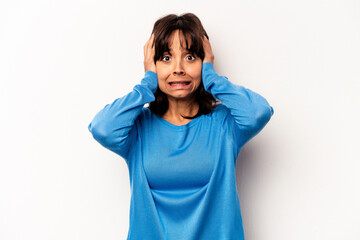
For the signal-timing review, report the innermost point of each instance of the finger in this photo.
(149, 40)
(205, 41)
(149, 43)
(152, 40)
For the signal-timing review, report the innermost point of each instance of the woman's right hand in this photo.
(149, 53)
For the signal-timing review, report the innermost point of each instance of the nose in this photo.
(178, 68)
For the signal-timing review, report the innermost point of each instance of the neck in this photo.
(184, 107)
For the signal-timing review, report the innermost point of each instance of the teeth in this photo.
(179, 83)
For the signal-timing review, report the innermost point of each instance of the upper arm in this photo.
(239, 133)
(116, 138)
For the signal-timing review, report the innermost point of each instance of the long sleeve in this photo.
(114, 126)
(248, 110)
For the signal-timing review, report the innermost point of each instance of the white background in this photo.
(63, 61)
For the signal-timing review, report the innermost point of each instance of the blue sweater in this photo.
(183, 183)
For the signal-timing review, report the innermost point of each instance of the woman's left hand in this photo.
(209, 56)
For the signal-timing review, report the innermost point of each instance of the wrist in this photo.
(153, 69)
(150, 80)
(149, 65)
(209, 59)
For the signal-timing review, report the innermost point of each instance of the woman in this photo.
(181, 151)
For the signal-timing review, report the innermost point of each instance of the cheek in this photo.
(196, 75)
(161, 83)
(161, 76)
(162, 72)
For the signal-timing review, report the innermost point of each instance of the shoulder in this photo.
(223, 116)
(220, 108)
(220, 112)
(145, 114)
(145, 111)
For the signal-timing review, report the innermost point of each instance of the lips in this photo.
(172, 83)
(180, 84)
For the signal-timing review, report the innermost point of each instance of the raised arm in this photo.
(114, 126)
(248, 110)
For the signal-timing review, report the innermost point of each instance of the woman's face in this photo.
(179, 74)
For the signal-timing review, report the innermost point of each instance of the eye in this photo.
(190, 57)
(165, 58)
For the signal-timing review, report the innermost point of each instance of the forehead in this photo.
(177, 41)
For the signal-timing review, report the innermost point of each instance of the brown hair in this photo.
(189, 25)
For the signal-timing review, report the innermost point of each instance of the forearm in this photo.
(250, 110)
(111, 126)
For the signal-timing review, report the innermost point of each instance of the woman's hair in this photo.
(191, 27)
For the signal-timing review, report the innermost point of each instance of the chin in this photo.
(181, 96)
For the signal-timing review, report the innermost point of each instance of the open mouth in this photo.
(183, 83)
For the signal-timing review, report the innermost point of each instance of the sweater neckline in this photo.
(179, 127)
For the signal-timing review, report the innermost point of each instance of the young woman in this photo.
(181, 150)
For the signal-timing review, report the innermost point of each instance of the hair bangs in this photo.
(190, 29)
